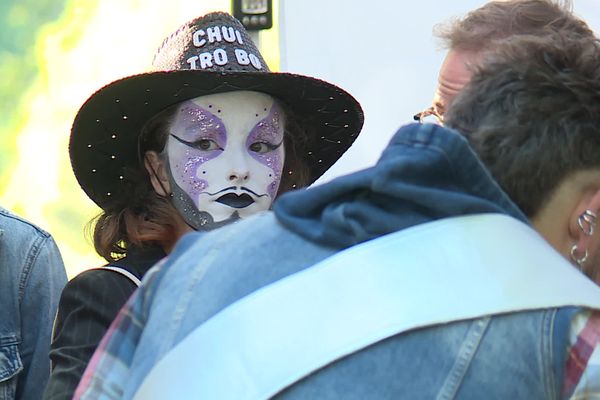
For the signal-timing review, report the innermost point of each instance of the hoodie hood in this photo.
(427, 172)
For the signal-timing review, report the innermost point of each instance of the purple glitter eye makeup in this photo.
(228, 166)
(269, 133)
(196, 127)
(194, 122)
(190, 178)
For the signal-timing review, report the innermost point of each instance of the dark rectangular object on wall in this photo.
(255, 15)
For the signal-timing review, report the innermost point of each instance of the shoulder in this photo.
(210, 271)
(258, 230)
(96, 295)
(30, 251)
(19, 227)
(100, 286)
(24, 241)
(95, 279)
(252, 243)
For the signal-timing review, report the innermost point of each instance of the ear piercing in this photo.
(587, 222)
(579, 260)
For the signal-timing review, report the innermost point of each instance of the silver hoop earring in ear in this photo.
(579, 260)
(587, 222)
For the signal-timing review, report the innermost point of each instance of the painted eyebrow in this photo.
(191, 144)
(270, 146)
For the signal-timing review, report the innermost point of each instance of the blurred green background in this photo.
(20, 24)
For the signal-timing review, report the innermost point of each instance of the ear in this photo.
(587, 236)
(157, 169)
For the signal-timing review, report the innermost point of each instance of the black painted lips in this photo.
(235, 201)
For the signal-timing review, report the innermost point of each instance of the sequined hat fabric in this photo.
(211, 54)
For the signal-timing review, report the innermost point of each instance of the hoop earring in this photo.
(587, 217)
(581, 260)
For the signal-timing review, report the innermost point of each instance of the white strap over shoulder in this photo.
(448, 270)
(124, 272)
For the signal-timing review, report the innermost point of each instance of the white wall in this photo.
(382, 52)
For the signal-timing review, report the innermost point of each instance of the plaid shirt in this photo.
(582, 373)
(108, 370)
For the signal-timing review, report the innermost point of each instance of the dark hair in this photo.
(296, 173)
(532, 113)
(142, 217)
(498, 20)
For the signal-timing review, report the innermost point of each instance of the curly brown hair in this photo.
(499, 20)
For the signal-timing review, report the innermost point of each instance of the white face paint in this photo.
(226, 152)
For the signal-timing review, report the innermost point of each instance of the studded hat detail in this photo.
(210, 54)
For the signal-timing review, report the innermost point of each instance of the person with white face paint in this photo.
(224, 157)
(208, 137)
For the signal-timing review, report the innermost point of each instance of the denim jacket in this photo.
(426, 173)
(32, 276)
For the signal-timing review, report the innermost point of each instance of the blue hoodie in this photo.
(426, 173)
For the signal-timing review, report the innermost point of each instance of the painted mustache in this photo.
(235, 201)
(245, 189)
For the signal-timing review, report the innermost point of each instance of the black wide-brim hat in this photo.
(211, 54)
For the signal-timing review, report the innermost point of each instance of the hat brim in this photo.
(104, 135)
